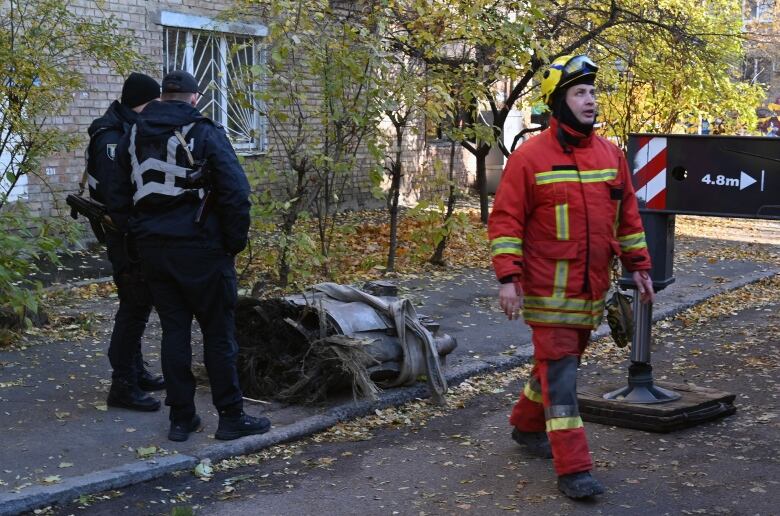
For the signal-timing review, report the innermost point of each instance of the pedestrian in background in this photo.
(130, 380)
(188, 232)
(564, 208)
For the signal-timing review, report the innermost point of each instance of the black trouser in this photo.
(189, 282)
(135, 304)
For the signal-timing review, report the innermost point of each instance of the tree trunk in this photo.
(484, 210)
(283, 263)
(395, 192)
(438, 254)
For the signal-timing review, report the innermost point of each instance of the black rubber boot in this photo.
(239, 426)
(535, 444)
(124, 394)
(150, 382)
(180, 430)
(579, 485)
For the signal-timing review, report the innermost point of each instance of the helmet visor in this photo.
(579, 65)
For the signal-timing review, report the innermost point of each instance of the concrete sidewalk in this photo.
(60, 441)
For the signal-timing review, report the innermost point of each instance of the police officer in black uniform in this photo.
(188, 231)
(130, 378)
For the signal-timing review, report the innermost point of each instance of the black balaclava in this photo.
(561, 110)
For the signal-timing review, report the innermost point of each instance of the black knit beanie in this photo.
(139, 89)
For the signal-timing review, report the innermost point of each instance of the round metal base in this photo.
(642, 394)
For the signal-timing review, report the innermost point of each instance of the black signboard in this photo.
(728, 176)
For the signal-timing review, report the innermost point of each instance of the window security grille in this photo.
(220, 63)
(757, 70)
(11, 155)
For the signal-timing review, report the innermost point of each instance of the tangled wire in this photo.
(291, 353)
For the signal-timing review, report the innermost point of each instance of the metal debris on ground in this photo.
(305, 347)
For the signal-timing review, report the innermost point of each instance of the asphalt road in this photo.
(460, 460)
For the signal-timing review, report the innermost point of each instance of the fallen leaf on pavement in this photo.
(143, 452)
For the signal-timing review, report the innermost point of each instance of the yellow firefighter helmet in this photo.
(563, 71)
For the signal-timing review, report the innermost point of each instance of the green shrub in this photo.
(24, 242)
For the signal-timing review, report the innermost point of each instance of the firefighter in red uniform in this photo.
(565, 206)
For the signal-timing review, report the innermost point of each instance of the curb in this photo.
(736, 284)
(352, 410)
(75, 284)
(137, 472)
(113, 478)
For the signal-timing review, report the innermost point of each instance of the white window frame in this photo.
(755, 69)
(760, 10)
(19, 191)
(764, 11)
(195, 27)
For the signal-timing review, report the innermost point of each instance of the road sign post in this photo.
(720, 176)
(659, 234)
(641, 388)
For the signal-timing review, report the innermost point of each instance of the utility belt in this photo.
(157, 204)
(176, 241)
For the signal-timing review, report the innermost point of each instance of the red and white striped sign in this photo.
(650, 171)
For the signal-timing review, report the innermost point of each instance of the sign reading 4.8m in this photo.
(743, 181)
(730, 176)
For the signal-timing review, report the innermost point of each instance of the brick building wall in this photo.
(761, 25)
(62, 173)
(426, 162)
(103, 85)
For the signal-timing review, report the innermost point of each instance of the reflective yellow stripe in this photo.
(531, 394)
(506, 245)
(567, 318)
(562, 221)
(561, 266)
(633, 247)
(632, 241)
(572, 305)
(594, 176)
(632, 236)
(586, 176)
(564, 423)
(561, 275)
(557, 176)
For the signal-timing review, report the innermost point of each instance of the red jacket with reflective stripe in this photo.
(557, 221)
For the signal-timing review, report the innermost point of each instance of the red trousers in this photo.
(549, 400)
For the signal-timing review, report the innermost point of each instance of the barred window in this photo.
(11, 156)
(220, 62)
(757, 70)
(760, 10)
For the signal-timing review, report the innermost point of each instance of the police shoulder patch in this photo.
(111, 151)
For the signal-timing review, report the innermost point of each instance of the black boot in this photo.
(150, 382)
(233, 427)
(579, 485)
(180, 430)
(535, 444)
(124, 394)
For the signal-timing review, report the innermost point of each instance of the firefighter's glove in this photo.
(510, 299)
